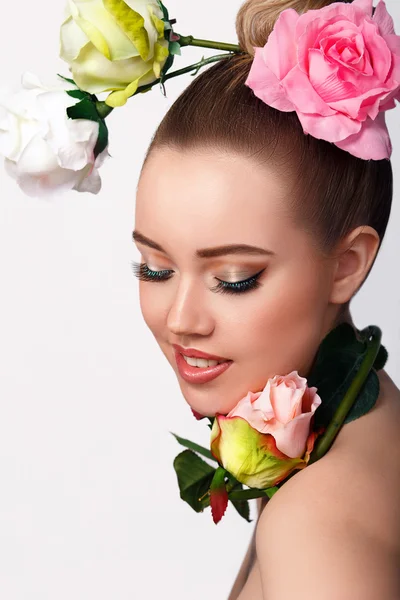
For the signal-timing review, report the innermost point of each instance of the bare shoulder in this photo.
(333, 530)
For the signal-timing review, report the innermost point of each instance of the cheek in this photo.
(283, 324)
(151, 307)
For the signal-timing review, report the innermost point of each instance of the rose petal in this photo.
(383, 19)
(365, 6)
(94, 73)
(197, 415)
(103, 29)
(354, 59)
(251, 457)
(291, 438)
(72, 39)
(316, 19)
(361, 106)
(101, 158)
(324, 79)
(47, 184)
(393, 42)
(253, 413)
(389, 104)
(89, 183)
(331, 128)
(286, 402)
(30, 81)
(372, 142)
(266, 85)
(300, 91)
(78, 151)
(316, 31)
(280, 53)
(310, 399)
(11, 168)
(378, 49)
(37, 158)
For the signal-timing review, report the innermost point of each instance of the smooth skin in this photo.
(314, 540)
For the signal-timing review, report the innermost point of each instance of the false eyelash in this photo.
(142, 272)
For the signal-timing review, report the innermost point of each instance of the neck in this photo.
(342, 316)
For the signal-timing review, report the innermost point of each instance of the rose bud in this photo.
(267, 434)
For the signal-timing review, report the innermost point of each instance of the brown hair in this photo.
(333, 191)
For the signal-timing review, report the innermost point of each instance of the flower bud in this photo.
(253, 457)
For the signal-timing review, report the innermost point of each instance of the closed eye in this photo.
(142, 272)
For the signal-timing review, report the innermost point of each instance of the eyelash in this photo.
(142, 272)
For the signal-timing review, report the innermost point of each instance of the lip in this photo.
(198, 374)
(197, 353)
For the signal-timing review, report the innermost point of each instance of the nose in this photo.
(189, 314)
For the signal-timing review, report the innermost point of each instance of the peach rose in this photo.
(283, 409)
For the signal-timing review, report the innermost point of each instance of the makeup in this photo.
(199, 374)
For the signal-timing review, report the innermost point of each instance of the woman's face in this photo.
(188, 201)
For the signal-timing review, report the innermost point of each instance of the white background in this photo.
(89, 503)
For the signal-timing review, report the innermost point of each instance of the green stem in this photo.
(247, 494)
(197, 66)
(103, 109)
(326, 440)
(189, 40)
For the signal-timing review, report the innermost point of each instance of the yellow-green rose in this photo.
(112, 45)
(253, 457)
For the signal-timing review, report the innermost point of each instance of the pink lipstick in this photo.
(199, 374)
(197, 353)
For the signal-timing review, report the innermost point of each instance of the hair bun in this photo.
(256, 19)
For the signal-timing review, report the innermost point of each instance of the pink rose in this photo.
(338, 67)
(283, 409)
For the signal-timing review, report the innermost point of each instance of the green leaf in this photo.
(164, 9)
(102, 140)
(195, 447)
(78, 94)
(242, 506)
(194, 479)
(211, 419)
(381, 358)
(271, 491)
(66, 79)
(218, 480)
(175, 48)
(167, 65)
(337, 361)
(85, 109)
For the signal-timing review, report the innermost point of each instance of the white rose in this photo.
(114, 45)
(44, 150)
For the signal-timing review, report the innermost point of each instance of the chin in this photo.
(208, 412)
(200, 410)
(201, 400)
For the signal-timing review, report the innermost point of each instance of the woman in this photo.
(261, 208)
(225, 168)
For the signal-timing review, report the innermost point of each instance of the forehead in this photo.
(201, 198)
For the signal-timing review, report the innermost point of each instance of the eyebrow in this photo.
(206, 252)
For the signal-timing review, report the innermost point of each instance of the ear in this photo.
(354, 257)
